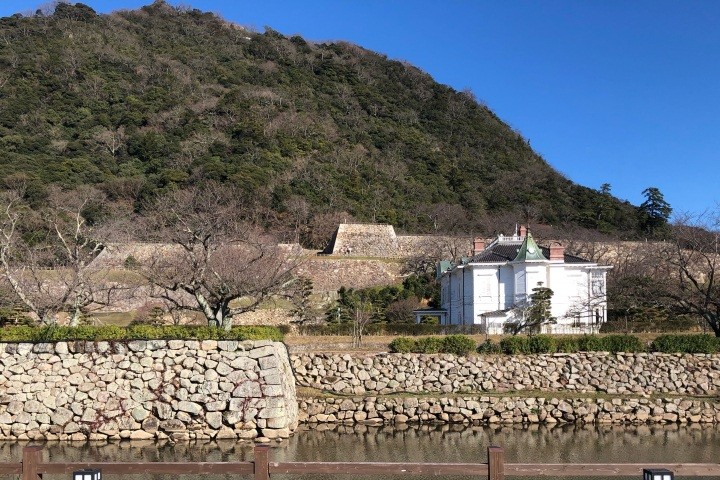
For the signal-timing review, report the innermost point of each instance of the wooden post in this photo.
(31, 458)
(262, 461)
(496, 463)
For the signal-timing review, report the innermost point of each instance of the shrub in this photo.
(402, 345)
(429, 345)
(566, 345)
(20, 333)
(622, 343)
(459, 345)
(57, 333)
(590, 343)
(514, 345)
(253, 333)
(541, 344)
(489, 348)
(686, 344)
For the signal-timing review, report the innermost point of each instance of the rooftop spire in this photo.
(529, 250)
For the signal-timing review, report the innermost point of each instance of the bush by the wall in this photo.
(566, 345)
(402, 345)
(428, 345)
(458, 344)
(542, 344)
(590, 343)
(455, 344)
(686, 344)
(536, 344)
(488, 347)
(56, 333)
(622, 343)
(522, 345)
(515, 345)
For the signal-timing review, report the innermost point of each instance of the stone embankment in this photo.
(623, 374)
(155, 389)
(486, 410)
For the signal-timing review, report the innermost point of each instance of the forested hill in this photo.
(141, 101)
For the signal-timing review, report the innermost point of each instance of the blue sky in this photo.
(623, 92)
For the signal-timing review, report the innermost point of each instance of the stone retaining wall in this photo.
(329, 274)
(155, 389)
(383, 374)
(482, 410)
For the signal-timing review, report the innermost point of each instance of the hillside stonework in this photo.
(329, 274)
(380, 240)
(366, 240)
(154, 389)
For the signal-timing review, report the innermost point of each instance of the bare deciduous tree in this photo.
(111, 139)
(54, 273)
(694, 259)
(209, 260)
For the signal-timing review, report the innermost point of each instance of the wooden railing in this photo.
(33, 467)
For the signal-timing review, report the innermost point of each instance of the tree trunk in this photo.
(210, 315)
(227, 316)
(75, 320)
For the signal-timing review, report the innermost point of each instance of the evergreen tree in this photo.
(302, 309)
(540, 307)
(654, 211)
(535, 312)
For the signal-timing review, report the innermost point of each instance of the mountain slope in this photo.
(140, 101)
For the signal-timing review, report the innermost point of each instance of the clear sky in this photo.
(607, 91)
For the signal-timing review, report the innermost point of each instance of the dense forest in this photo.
(138, 103)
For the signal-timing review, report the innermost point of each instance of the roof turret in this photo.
(529, 250)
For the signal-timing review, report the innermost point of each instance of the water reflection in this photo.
(441, 443)
(532, 443)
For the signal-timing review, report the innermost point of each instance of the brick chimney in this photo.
(557, 251)
(523, 231)
(478, 245)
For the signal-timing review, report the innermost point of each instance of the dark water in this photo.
(568, 444)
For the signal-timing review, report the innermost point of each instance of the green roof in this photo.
(529, 250)
(443, 266)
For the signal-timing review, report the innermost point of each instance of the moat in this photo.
(441, 443)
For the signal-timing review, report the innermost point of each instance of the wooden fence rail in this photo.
(33, 467)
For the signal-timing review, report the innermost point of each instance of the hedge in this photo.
(55, 333)
(456, 344)
(686, 344)
(610, 343)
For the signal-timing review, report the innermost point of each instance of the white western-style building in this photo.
(493, 287)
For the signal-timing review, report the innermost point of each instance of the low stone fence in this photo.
(482, 410)
(155, 389)
(640, 373)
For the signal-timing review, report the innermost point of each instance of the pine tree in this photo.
(654, 211)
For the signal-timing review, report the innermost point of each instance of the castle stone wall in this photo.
(640, 373)
(154, 389)
(494, 410)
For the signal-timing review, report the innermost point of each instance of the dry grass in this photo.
(121, 319)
